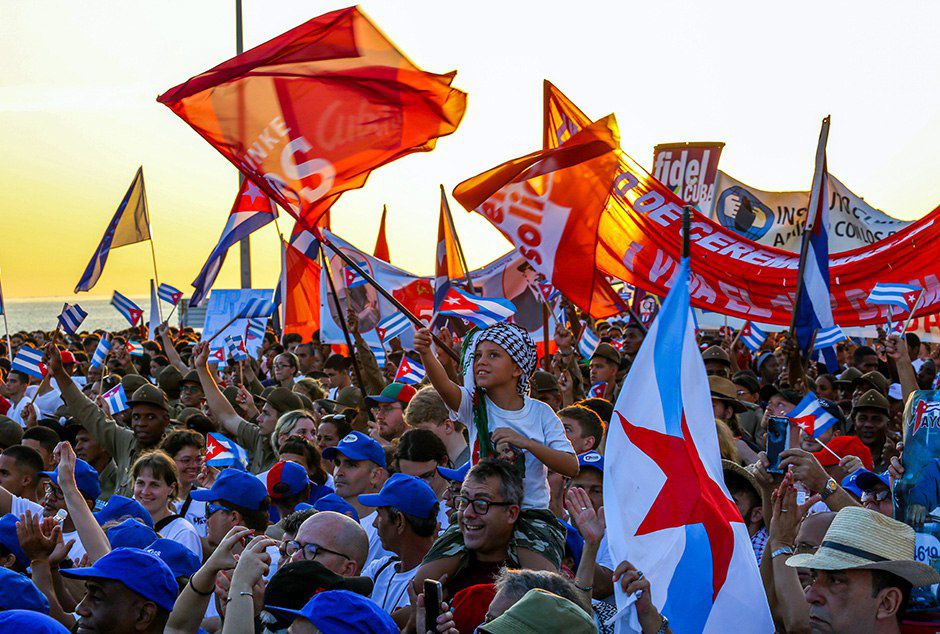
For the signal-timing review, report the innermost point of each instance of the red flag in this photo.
(309, 114)
(301, 294)
(381, 242)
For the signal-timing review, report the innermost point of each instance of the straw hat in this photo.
(862, 539)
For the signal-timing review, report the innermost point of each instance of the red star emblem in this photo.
(689, 495)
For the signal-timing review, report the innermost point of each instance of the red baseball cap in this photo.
(844, 446)
(66, 356)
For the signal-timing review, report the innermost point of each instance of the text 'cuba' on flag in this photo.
(668, 510)
(337, 73)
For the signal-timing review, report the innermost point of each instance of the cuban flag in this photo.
(588, 342)
(352, 278)
(236, 348)
(251, 211)
(902, 296)
(169, 294)
(28, 360)
(824, 347)
(409, 372)
(480, 311)
(548, 292)
(135, 348)
(71, 318)
(810, 416)
(813, 308)
(305, 242)
(752, 336)
(101, 352)
(379, 354)
(256, 308)
(448, 259)
(668, 510)
(597, 390)
(224, 452)
(131, 311)
(256, 329)
(115, 399)
(392, 326)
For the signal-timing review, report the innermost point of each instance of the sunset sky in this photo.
(78, 113)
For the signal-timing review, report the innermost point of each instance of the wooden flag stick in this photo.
(342, 321)
(910, 316)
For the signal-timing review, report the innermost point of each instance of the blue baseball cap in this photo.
(862, 480)
(18, 592)
(333, 502)
(455, 475)
(343, 612)
(119, 507)
(86, 478)
(130, 534)
(408, 494)
(181, 560)
(591, 460)
(291, 475)
(236, 487)
(142, 572)
(9, 539)
(28, 621)
(357, 446)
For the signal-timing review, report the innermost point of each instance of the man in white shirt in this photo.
(406, 522)
(20, 467)
(15, 390)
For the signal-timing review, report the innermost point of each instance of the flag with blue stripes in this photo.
(480, 311)
(409, 372)
(597, 390)
(128, 309)
(828, 337)
(548, 292)
(224, 452)
(169, 294)
(71, 318)
(752, 336)
(115, 399)
(392, 326)
(810, 416)
(28, 360)
(101, 352)
(380, 356)
(352, 278)
(256, 328)
(588, 342)
(135, 348)
(256, 308)
(903, 296)
(236, 348)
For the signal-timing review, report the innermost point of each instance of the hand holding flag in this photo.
(480, 311)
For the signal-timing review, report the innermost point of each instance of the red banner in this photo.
(309, 114)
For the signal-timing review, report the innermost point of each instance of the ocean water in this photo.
(40, 313)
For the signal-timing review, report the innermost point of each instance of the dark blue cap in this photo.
(410, 495)
(357, 446)
(455, 475)
(130, 534)
(9, 539)
(863, 480)
(86, 478)
(181, 560)
(119, 507)
(142, 572)
(236, 487)
(591, 460)
(335, 503)
(28, 621)
(18, 592)
(343, 612)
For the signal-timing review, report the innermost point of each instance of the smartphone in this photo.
(778, 441)
(433, 595)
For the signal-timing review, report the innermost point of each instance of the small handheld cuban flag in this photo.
(169, 294)
(752, 336)
(101, 352)
(597, 390)
(224, 452)
(256, 329)
(588, 342)
(352, 278)
(115, 399)
(409, 372)
(236, 348)
(135, 348)
(810, 416)
(131, 311)
(392, 326)
(71, 318)
(480, 311)
(28, 360)
(903, 296)
(824, 347)
(380, 356)
(548, 292)
(257, 308)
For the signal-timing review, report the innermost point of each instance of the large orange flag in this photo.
(301, 288)
(309, 114)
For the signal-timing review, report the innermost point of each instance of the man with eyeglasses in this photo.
(191, 393)
(335, 540)
(388, 409)
(236, 498)
(873, 490)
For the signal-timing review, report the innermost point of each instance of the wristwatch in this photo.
(663, 626)
(830, 488)
(783, 550)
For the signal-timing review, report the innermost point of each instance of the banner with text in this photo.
(690, 170)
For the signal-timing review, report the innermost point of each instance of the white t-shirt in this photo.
(19, 506)
(16, 410)
(180, 530)
(51, 400)
(375, 542)
(195, 513)
(78, 549)
(390, 587)
(537, 421)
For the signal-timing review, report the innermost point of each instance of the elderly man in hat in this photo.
(149, 412)
(862, 573)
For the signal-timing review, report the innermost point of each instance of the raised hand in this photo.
(590, 523)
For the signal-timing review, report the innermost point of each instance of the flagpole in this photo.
(907, 322)
(342, 321)
(6, 327)
(384, 293)
(153, 252)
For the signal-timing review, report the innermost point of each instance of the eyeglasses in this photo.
(53, 491)
(310, 550)
(480, 507)
(282, 366)
(385, 408)
(877, 496)
(427, 476)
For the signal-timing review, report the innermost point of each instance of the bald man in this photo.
(335, 540)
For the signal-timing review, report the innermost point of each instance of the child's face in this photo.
(492, 366)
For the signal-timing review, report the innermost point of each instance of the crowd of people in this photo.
(470, 502)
